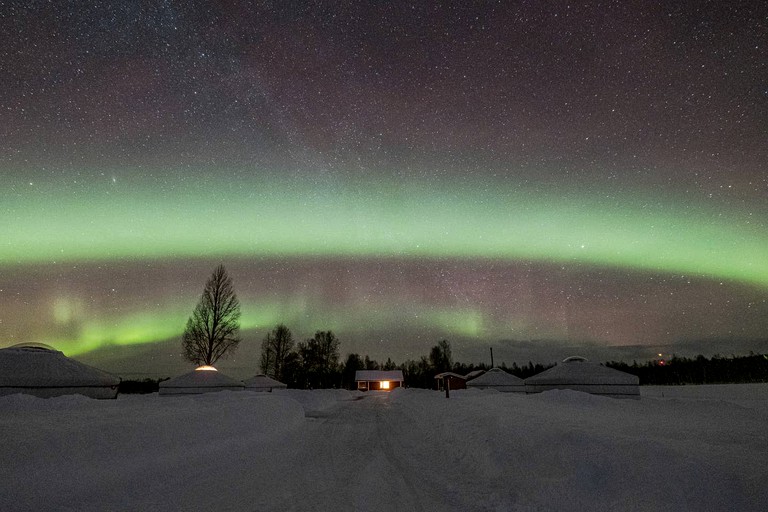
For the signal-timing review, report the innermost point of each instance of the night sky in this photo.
(544, 178)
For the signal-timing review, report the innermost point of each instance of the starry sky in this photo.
(543, 178)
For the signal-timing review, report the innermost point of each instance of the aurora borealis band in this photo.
(530, 177)
(382, 219)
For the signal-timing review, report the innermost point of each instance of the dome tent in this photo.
(579, 374)
(203, 379)
(39, 370)
(498, 379)
(263, 383)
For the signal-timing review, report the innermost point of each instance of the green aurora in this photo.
(51, 223)
(55, 222)
(151, 326)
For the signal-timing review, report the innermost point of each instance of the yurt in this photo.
(263, 383)
(39, 370)
(498, 379)
(203, 379)
(579, 374)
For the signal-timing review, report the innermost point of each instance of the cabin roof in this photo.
(378, 375)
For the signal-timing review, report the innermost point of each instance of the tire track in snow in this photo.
(347, 461)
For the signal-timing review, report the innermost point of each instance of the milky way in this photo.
(588, 175)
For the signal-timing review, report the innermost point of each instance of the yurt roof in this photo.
(474, 374)
(198, 378)
(263, 381)
(34, 366)
(577, 370)
(496, 377)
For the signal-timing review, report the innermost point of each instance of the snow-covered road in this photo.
(365, 467)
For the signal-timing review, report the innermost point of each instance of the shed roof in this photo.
(450, 374)
(379, 375)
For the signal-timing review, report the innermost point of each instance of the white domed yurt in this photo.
(263, 383)
(579, 374)
(203, 379)
(39, 370)
(498, 379)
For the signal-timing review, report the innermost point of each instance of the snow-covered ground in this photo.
(407, 450)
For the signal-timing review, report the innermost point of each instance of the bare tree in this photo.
(276, 350)
(212, 329)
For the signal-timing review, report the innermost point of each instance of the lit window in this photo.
(385, 384)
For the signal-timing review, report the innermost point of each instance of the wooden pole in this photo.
(491, 357)
(447, 387)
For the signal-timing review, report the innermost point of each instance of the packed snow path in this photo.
(366, 467)
(409, 450)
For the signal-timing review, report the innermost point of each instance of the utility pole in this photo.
(491, 357)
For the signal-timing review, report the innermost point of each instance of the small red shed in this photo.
(378, 380)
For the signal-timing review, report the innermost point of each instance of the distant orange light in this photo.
(385, 384)
(206, 368)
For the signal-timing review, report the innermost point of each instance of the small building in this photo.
(579, 374)
(263, 383)
(498, 379)
(378, 380)
(451, 380)
(39, 370)
(203, 379)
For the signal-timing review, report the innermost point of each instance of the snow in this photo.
(407, 450)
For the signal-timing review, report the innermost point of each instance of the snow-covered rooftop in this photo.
(379, 375)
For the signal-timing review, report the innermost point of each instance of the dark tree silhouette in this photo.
(320, 360)
(353, 363)
(276, 351)
(389, 365)
(440, 357)
(212, 329)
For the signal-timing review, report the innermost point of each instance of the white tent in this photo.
(39, 370)
(263, 383)
(581, 375)
(203, 379)
(498, 379)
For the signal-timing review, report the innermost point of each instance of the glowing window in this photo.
(385, 384)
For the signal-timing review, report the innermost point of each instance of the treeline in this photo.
(309, 364)
(314, 363)
(699, 370)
